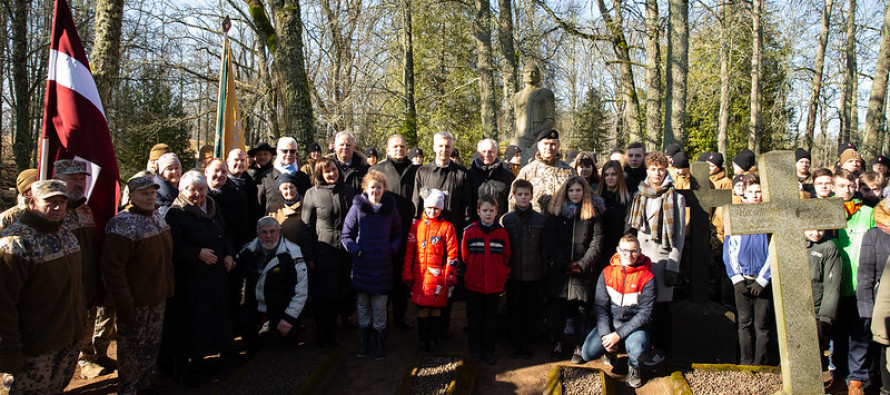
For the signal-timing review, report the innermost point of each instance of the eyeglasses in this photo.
(288, 151)
(635, 251)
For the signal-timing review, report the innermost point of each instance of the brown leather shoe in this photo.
(855, 388)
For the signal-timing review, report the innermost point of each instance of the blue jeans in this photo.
(635, 343)
(371, 307)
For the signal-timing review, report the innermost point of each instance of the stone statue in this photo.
(535, 111)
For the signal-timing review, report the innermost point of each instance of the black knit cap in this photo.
(548, 134)
(845, 146)
(744, 159)
(703, 157)
(371, 152)
(672, 149)
(881, 159)
(287, 177)
(314, 147)
(716, 158)
(801, 153)
(511, 151)
(455, 153)
(680, 160)
(737, 179)
(416, 151)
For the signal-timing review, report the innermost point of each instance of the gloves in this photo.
(755, 288)
(670, 278)
(740, 288)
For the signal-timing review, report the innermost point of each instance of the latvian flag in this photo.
(74, 124)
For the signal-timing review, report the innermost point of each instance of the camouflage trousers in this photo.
(100, 331)
(47, 373)
(137, 348)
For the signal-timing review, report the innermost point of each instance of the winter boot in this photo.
(433, 334)
(422, 329)
(380, 350)
(364, 341)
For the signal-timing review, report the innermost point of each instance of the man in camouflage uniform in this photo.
(23, 185)
(79, 220)
(137, 266)
(42, 306)
(547, 172)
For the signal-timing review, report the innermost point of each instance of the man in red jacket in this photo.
(625, 297)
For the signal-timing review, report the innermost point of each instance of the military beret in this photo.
(548, 134)
(158, 150)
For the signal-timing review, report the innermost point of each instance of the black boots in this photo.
(364, 341)
(380, 351)
(427, 334)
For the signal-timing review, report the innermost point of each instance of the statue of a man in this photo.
(535, 110)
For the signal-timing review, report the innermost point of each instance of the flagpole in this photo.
(219, 143)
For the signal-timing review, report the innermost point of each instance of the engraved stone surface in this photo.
(786, 216)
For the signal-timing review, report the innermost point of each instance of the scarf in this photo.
(569, 209)
(289, 169)
(663, 226)
(882, 216)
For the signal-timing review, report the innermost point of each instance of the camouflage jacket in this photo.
(79, 220)
(9, 216)
(546, 177)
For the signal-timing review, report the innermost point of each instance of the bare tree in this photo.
(509, 70)
(756, 75)
(874, 117)
(21, 84)
(484, 64)
(622, 53)
(727, 10)
(409, 129)
(653, 75)
(848, 94)
(675, 74)
(818, 69)
(106, 55)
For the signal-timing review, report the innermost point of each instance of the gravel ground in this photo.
(278, 370)
(433, 375)
(581, 382)
(730, 382)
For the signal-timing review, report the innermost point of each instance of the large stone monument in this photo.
(785, 215)
(535, 111)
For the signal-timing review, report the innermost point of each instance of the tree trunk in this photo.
(818, 69)
(22, 140)
(4, 43)
(508, 68)
(727, 11)
(105, 58)
(847, 94)
(678, 57)
(409, 129)
(756, 70)
(269, 91)
(874, 116)
(291, 71)
(484, 62)
(626, 80)
(653, 75)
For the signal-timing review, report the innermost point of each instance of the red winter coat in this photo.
(430, 261)
(486, 251)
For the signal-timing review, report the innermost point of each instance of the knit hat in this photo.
(371, 152)
(881, 159)
(680, 160)
(158, 150)
(801, 153)
(849, 154)
(314, 147)
(703, 157)
(672, 149)
(511, 151)
(416, 151)
(434, 198)
(737, 179)
(45, 189)
(70, 167)
(25, 179)
(287, 177)
(142, 180)
(744, 159)
(715, 158)
(845, 146)
(166, 161)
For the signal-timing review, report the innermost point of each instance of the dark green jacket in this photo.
(826, 271)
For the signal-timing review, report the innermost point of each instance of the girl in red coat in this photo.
(430, 263)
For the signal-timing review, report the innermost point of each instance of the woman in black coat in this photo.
(198, 316)
(574, 238)
(324, 211)
(617, 200)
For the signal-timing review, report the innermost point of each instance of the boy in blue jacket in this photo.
(747, 264)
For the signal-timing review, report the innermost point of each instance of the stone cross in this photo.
(786, 216)
(699, 199)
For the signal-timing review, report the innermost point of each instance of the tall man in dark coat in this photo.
(451, 178)
(352, 164)
(400, 174)
(285, 162)
(236, 162)
(491, 176)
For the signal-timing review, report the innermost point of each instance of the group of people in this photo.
(239, 247)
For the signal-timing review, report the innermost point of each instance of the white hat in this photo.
(434, 198)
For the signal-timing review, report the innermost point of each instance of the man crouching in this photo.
(276, 284)
(42, 303)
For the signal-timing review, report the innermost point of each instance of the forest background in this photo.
(717, 75)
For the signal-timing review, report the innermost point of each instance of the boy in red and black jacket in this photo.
(486, 252)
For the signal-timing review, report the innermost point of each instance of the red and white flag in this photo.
(74, 125)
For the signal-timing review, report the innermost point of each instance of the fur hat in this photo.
(434, 198)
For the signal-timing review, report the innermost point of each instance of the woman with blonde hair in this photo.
(573, 237)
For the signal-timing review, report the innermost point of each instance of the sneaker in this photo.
(652, 357)
(607, 359)
(91, 370)
(556, 354)
(633, 378)
(577, 359)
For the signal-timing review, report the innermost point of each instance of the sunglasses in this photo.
(288, 151)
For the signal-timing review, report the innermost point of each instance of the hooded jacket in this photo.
(278, 285)
(430, 261)
(625, 297)
(372, 236)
